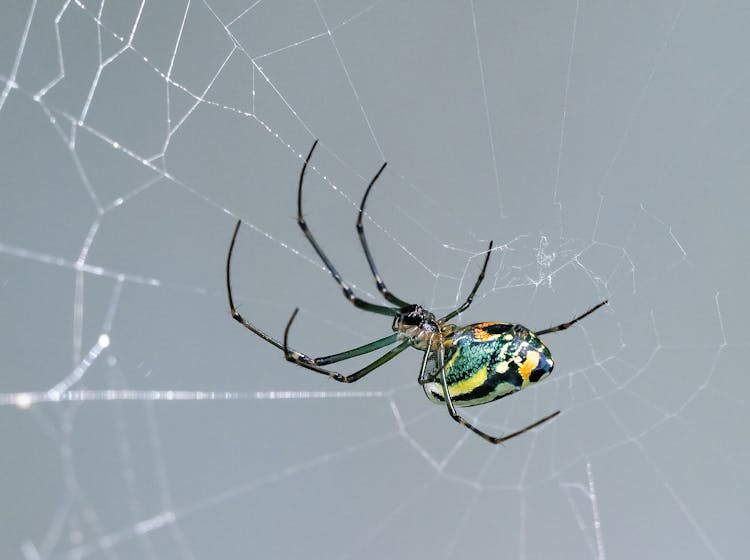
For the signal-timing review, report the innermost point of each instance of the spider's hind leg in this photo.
(465, 423)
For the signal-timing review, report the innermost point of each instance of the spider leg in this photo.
(465, 423)
(563, 326)
(305, 362)
(370, 261)
(232, 309)
(465, 305)
(358, 302)
(371, 347)
(358, 351)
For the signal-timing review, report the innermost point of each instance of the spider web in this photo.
(602, 148)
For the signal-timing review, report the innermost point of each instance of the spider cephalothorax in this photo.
(419, 326)
(461, 366)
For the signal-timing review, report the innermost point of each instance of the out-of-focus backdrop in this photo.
(602, 146)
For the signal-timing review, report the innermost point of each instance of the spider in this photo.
(461, 366)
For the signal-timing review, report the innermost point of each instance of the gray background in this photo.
(604, 148)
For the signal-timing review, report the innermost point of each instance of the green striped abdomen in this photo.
(487, 361)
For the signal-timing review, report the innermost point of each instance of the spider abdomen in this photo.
(487, 361)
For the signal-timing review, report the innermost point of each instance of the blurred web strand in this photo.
(10, 82)
(60, 394)
(564, 112)
(490, 134)
(641, 97)
(595, 544)
(108, 541)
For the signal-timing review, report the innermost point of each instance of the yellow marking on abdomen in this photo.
(468, 385)
(528, 365)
